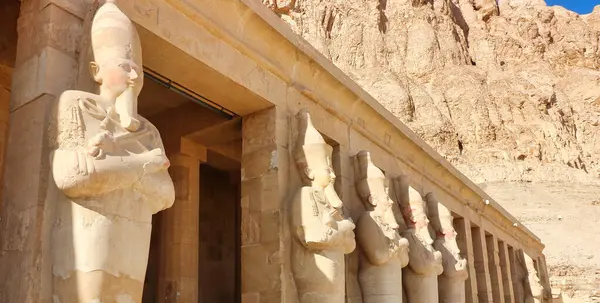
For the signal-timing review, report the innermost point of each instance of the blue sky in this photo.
(578, 6)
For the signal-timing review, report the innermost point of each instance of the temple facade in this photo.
(200, 151)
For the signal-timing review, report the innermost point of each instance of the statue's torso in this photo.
(108, 230)
(319, 275)
(383, 282)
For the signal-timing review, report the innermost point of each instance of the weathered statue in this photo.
(383, 253)
(111, 169)
(322, 236)
(451, 283)
(425, 263)
(527, 286)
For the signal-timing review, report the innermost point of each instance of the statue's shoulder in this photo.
(366, 221)
(147, 124)
(70, 98)
(304, 192)
(302, 195)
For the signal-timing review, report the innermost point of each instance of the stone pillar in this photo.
(509, 295)
(494, 266)
(544, 278)
(264, 167)
(46, 65)
(481, 265)
(465, 243)
(4, 118)
(517, 286)
(178, 277)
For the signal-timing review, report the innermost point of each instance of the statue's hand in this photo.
(349, 241)
(101, 142)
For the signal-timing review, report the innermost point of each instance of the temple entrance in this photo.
(195, 247)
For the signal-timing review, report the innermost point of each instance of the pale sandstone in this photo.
(505, 90)
(383, 251)
(451, 283)
(263, 268)
(322, 235)
(111, 169)
(420, 277)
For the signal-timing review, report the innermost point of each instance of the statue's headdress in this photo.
(409, 198)
(114, 35)
(368, 176)
(311, 149)
(440, 216)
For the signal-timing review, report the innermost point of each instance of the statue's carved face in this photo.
(380, 198)
(418, 217)
(322, 176)
(117, 75)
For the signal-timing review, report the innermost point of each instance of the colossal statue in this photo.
(322, 235)
(425, 263)
(111, 171)
(383, 253)
(451, 283)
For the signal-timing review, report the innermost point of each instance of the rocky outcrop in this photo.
(504, 91)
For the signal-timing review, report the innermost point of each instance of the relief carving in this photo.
(383, 251)
(111, 169)
(420, 277)
(451, 283)
(322, 235)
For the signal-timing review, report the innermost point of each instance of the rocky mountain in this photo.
(507, 91)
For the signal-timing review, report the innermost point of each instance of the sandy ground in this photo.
(566, 217)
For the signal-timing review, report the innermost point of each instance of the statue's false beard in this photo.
(126, 107)
(332, 197)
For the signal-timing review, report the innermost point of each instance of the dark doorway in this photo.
(219, 257)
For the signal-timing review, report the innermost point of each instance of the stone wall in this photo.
(8, 44)
(46, 65)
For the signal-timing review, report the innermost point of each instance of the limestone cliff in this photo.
(512, 85)
(507, 91)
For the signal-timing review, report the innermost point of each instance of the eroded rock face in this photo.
(507, 91)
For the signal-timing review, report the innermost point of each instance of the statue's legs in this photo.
(420, 288)
(98, 258)
(97, 287)
(451, 290)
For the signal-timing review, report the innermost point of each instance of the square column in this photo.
(544, 278)
(509, 295)
(264, 169)
(484, 286)
(494, 266)
(179, 241)
(465, 243)
(46, 65)
(517, 286)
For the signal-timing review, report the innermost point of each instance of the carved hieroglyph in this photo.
(322, 235)
(451, 283)
(383, 252)
(111, 169)
(425, 263)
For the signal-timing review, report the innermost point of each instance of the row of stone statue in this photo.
(408, 257)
